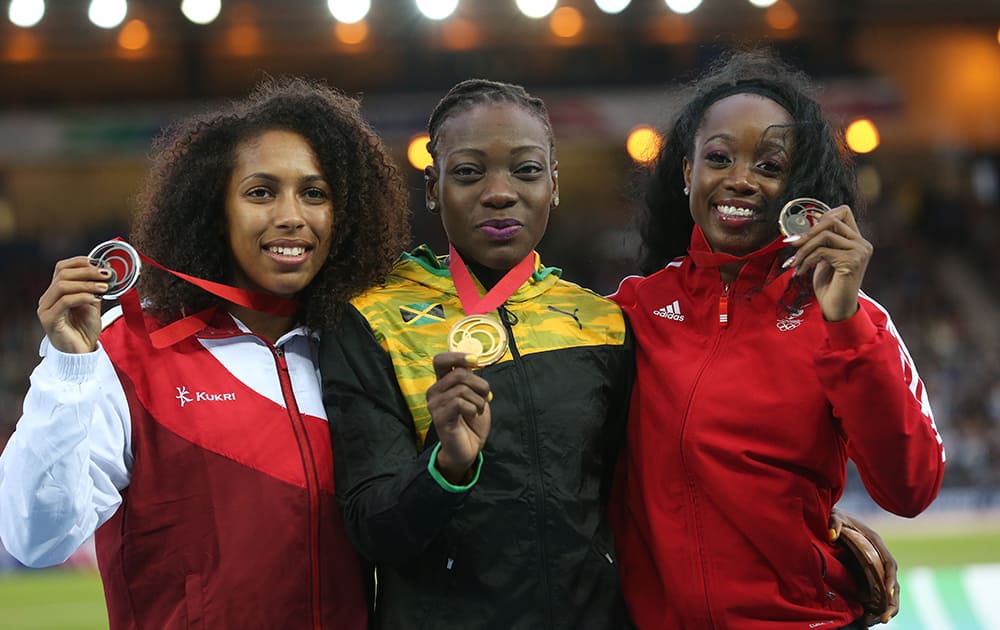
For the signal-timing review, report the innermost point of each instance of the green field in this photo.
(52, 599)
(55, 599)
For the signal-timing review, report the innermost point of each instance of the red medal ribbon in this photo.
(468, 294)
(261, 302)
(187, 326)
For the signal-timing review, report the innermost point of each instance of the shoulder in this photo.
(631, 288)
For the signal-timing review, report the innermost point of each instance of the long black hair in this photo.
(821, 166)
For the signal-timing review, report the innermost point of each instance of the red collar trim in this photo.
(703, 256)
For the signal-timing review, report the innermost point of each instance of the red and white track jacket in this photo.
(742, 418)
(207, 472)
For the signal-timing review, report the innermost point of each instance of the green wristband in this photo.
(444, 483)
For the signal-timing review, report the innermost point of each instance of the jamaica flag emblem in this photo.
(423, 313)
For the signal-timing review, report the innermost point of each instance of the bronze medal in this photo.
(800, 214)
(479, 335)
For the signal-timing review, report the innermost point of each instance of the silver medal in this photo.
(122, 260)
(800, 214)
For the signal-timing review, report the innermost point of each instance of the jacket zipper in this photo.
(505, 317)
(716, 344)
(309, 465)
(724, 305)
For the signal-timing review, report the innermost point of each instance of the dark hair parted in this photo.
(473, 92)
(821, 166)
(181, 221)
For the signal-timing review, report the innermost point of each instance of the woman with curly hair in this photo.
(201, 458)
(761, 368)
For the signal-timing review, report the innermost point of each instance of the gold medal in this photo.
(800, 214)
(479, 335)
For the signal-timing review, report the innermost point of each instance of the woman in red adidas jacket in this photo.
(762, 368)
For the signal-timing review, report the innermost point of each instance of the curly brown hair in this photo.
(181, 221)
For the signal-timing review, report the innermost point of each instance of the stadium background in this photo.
(79, 105)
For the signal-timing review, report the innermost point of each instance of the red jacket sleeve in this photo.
(881, 402)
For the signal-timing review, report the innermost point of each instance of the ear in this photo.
(430, 184)
(687, 173)
(555, 183)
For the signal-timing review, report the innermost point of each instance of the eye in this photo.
(717, 157)
(259, 193)
(315, 194)
(771, 166)
(529, 170)
(466, 172)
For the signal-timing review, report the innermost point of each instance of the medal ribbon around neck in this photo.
(187, 326)
(477, 333)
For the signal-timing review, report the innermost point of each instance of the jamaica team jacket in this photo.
(527, 545)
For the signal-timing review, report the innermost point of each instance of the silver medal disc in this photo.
(800, 214)
(122, 260)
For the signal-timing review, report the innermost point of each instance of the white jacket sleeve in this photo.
(70, 455)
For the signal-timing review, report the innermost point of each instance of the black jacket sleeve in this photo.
(623, 374)
(392, 506)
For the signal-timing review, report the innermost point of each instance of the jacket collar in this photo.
(423, 266)
(760, 266)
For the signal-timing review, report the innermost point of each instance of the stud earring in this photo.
(555, 201)
(686, 191)
(432, 205)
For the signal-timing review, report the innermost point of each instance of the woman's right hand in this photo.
(459, 406)
(70, 309)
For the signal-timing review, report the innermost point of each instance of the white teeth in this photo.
(287, 251)
(732, 211)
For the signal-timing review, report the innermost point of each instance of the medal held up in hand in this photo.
(479, 335)
(800, 214)
(122, 260)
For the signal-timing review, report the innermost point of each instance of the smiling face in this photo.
(739, 166)
(279, 214)
(494, 181)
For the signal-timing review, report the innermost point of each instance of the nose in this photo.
(288, 212)
(498, 192)
(741, 178)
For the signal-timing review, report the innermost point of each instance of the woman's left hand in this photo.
(838, 519)
(837, 255)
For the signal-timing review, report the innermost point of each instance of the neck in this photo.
(489, 277)
(269, 327)
(729, 272)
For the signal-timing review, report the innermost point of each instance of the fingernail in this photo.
(489, 397)
(792, 238)
(105, 272)
(788, 263)
(471, 358)
(102, 287)
(832, 533)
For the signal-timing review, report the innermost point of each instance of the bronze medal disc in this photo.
(478, 335)
(800, 214)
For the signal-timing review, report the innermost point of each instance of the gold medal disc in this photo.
(479, 335)
(800, 214)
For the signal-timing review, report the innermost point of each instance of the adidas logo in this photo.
(670, 311)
